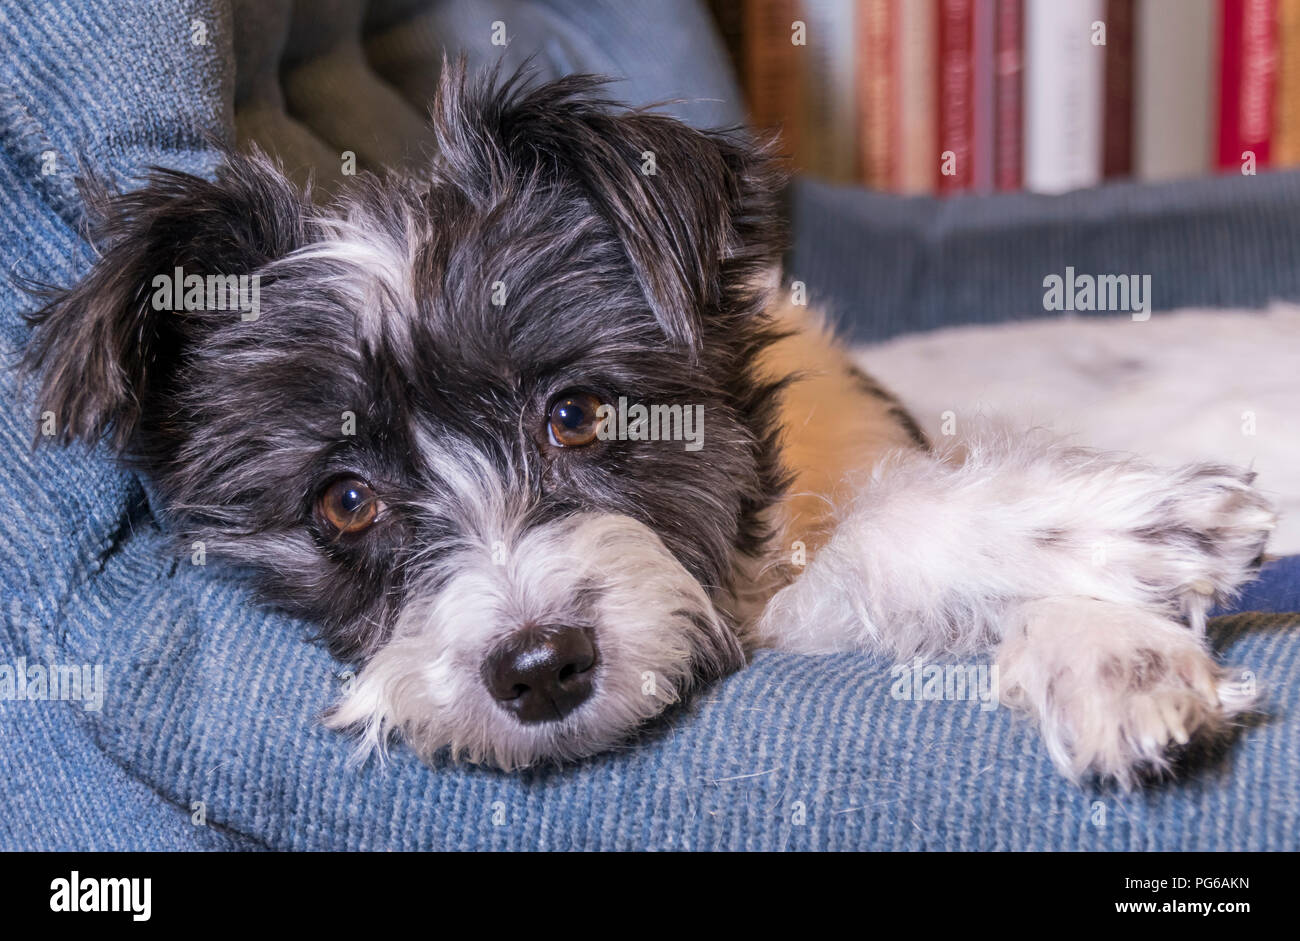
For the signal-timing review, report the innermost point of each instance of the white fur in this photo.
(1180, 387)
(426, 681)
(1113, 685)
(1072, 564)
(929, 550)
(374, 266)
(1076, 566)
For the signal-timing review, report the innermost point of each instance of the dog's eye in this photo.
(349, 505)
(574, 420)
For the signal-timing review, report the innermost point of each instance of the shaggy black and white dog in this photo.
(538, 440)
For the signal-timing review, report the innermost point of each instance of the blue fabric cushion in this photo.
(208, 734)
(886, 265)
(1277, 589)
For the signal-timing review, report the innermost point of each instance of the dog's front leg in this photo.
(1091, 574)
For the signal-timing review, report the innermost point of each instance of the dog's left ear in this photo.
(696, 211)
(105, 351)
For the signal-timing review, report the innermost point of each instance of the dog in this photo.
(538, 440)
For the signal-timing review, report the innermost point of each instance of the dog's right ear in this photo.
(103, 349)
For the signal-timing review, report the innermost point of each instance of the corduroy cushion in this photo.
(886, 265)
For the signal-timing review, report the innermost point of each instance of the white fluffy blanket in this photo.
(1187, 386)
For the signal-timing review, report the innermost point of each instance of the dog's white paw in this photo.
(1200, 537)
(1114, 688)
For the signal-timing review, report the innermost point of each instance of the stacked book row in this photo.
(944, 96)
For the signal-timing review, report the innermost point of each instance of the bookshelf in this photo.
(982, 96)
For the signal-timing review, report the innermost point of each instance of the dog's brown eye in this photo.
(349, 505)
(574, 420)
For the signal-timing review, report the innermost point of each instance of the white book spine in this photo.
(1176, 59)
(1064, 73)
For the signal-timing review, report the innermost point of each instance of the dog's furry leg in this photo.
(1078, 563)
(1113, 686)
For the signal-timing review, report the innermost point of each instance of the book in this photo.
(956, 45)
(1063, 94)
(1117, 104)
(1247, 81)
(1008, 95)
(984, 80)
(877, 102)
(1045, 95)
(773, 83)
(829, 141)
(916, 169)
(1174, 87)
(1286, 120)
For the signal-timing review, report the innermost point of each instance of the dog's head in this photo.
(416, 413)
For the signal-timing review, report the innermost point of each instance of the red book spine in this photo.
(1247, 82)
(1117, 108)
(1008, 100)
(878, 114)
(772, 74)
(956, 96)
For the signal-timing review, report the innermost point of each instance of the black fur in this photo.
(105, 357)
(872, 388)
(624, 283)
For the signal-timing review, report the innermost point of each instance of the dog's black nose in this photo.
(541, 676)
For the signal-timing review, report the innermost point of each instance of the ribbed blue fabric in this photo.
(886, 265)
(213, 701)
